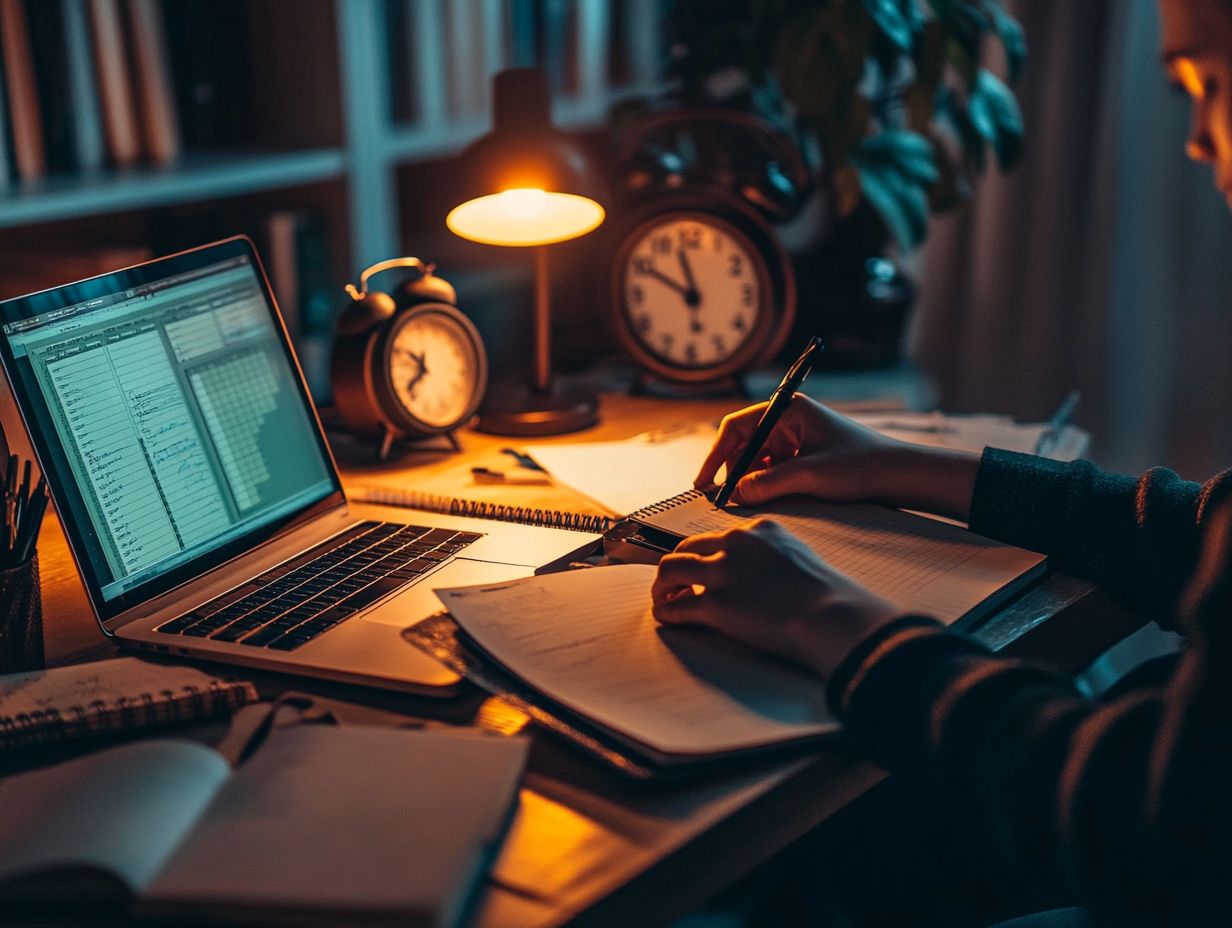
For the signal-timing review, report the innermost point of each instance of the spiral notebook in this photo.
(126, 694)
(481, 509)
(921, 564)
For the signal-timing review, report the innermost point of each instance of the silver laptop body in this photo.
(184, 455)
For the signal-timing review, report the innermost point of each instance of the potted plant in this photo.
(896, 106)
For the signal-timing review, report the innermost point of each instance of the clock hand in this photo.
(660, 276)
(692, 295)
(419, 375)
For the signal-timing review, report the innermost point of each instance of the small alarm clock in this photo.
(701, 288)
(407, 364)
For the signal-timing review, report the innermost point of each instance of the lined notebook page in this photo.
(587, 639)
(917, 563)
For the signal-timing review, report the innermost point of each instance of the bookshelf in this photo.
(343, 101)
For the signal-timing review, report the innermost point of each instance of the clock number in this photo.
(662, 244)
(637, 294)
(644, 323)
(746, 294)
(667, 340)
(720, 344)
(735, 265)
(740, 324)
(691, 237)
(642, 265)
(690, 353)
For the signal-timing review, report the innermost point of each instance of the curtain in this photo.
(1103, 262)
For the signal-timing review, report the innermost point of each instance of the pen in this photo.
(765, 425)
(34, 521)
(1052, 432)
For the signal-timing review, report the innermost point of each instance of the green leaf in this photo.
(889, 17)
(951, 112)
(895, 167)
(995, 114)
(1013, 39)
(910, 153)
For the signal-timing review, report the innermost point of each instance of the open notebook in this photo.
(586, 640)
(921, 564)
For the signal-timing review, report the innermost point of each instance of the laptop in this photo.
(199, 495)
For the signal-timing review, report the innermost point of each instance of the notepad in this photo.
(920, 564)
(587, 640)
(623, 476)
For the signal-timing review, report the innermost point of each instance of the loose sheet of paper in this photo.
(623, 476)
(919, 564)
(975, 433)
(588, 640)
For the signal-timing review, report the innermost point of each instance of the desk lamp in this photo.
(526, 184)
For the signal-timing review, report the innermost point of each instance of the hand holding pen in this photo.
(778, 403)
(21, 513)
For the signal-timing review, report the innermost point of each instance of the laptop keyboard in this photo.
(290, 605)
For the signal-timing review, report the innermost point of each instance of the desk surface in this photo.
(587, 846)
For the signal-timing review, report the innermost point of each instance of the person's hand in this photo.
(816, 451)
(761, 585)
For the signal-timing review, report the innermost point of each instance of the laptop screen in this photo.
(170, 417)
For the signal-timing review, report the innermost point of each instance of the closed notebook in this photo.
(322, 826)
(126, 694)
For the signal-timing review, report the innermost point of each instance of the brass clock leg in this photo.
(387, 442)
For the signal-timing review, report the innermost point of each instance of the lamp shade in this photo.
(524, 183)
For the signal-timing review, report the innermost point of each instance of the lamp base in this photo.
(522, 410)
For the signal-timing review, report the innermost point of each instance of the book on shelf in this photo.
(296, 250)
(151, 72)
(85, 114)
(106, 697)
(7, 151)
(322, 825)
(48, 42)
(120, 129)
(30, 158)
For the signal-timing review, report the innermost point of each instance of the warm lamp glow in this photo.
(525, 203)
(524, 216)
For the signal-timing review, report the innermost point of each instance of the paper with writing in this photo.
(920, 564)
(588, 640)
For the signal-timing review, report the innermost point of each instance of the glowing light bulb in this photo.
(524, 203)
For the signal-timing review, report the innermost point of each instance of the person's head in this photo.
(1197, 50)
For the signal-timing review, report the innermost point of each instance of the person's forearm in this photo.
(936, 480)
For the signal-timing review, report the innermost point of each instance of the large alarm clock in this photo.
(701, 289)
(406, 364)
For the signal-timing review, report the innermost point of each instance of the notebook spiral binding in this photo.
(100, 717)
(664, 505)
(479, 509)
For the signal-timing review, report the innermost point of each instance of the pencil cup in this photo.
(21, 618)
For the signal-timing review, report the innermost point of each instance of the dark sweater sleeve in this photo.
(1125, 801)
(1136, 537)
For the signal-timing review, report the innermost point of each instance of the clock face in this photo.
(694, 289)
(434, 367)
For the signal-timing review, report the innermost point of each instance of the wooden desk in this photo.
(587, 846)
